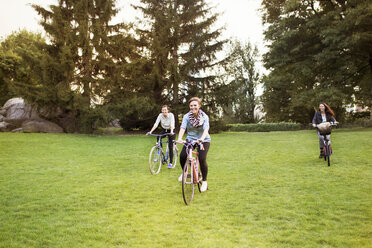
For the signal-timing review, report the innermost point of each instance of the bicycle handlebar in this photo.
(158, 135)
(191, 143)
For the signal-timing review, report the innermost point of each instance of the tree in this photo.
(91, 51)
(318, 52)
(242, 78)
(21, 56)
(181, 48)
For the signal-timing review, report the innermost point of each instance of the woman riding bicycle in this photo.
(196, 122)
(325, 114)
(166, 119)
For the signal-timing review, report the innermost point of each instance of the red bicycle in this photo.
(191, 171)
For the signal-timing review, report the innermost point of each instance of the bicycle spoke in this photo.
(187, 183)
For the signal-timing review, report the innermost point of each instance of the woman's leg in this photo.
(321, 140)
(170, 146)
(203, 160)
(183, 157)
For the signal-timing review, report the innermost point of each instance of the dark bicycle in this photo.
(157, 156)
(325, 129)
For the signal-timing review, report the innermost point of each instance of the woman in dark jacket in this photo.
(325, 114)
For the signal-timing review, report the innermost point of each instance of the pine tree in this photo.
(181, 49)
(91, 51)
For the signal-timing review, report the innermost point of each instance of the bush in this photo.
(108, 130)
(218, 126)
(362, 122)
(265, 127)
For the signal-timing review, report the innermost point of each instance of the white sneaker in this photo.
(180, 178)
(204, 186)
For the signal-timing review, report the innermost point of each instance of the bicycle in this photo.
(325, 129)
(157, 156)
(191, 172)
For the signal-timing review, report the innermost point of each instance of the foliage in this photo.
(21, 59)
(265, 127)
(181, 44)
(265, 190)
(90, 53)
(237, 92)
(319, 51)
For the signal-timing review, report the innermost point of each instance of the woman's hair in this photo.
(195, 99)
(328, 109)
(165, 106)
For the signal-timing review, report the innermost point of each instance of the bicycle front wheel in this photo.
(187, 183)
(155, 160)
(328, 154)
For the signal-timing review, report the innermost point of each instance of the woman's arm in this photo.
(180, 134)
(314, 119)
(205, 133)
(156, 124)
(172, 124)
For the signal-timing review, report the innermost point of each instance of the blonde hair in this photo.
(195, 99)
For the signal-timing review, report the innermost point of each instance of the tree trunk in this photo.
(175, 82)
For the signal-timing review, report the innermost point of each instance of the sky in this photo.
(241, 18)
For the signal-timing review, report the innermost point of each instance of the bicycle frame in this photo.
(327, 146)
(194, 160)
(159, 143)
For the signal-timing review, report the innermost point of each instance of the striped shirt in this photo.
(166, 122)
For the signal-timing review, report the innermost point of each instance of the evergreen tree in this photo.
(182, 46)
(90, 49)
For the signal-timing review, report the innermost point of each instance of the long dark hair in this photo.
(328, 109)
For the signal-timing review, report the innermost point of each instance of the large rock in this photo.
(115, 123)
(17, 111)
(40, 126)
(1, 117)
(6, 127)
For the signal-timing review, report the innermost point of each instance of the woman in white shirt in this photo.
(166, 120)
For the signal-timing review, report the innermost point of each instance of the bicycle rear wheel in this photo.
(155, 160)
(187, 183)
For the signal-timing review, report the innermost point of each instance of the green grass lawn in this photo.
(265, 190)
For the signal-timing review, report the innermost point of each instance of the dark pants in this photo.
(321, 139)
(202, 159)
(170, 143)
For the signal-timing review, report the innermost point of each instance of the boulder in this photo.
(115, 123)
(17, 111)
(2, 111)
(17, 130)
(1, 117)
(5, 127)
(41, 126)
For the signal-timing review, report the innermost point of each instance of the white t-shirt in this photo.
(324, 118)
(166, 122)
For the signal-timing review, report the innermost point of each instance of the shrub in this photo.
(218, 126)
(265, 127)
